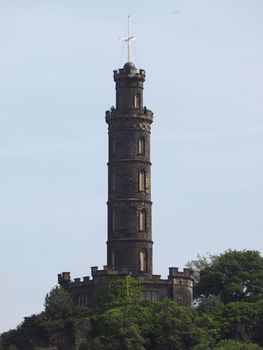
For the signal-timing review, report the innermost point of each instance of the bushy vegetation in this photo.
(58, 303)
(232, 276)
(228, 314)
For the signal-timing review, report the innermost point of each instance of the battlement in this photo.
(129, 70)
(186, 273)
(143, 113)
(178, 286)
(107, 270)
(64, 278)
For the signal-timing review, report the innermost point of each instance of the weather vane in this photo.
(128, 40)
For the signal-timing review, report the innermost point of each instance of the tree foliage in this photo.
(118, 292)
(180, 328)
(211, 305)
(114, 330)
(229, 345)
(160, 325)
(233, 276)
(58, 303)
(200, 263)
(243, 321)
(234, 345)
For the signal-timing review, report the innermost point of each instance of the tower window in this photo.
(142, 180)
(141, 146)
(150, 295)
(142, 260)
(142, 220)
(137, 101)
(154, 296)
(82, 300)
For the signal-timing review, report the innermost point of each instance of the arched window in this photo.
(142, 220)
(142, 181)
(141, 146)
(142, 260)
(137, 101)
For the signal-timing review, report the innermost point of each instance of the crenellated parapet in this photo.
(129, 71)
(178, 286)
(142, 113)
(134, 121)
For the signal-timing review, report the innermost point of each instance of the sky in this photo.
(204, 66)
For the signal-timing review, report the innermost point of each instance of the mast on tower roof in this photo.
(128, 40)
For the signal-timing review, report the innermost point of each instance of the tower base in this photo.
(178, 286)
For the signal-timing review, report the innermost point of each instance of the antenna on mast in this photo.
(128, 40)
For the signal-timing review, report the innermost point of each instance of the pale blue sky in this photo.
(204, 69)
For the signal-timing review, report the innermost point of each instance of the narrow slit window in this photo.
(141, 146)
(142, 180)
(142, 220)
(154, 296)
(137, 100)
(142, 260)
(148, 295)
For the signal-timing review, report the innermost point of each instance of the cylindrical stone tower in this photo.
(129, 245)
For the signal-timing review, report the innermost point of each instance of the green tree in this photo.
(242, 321)
(200, 263)
(58, 303)
(202, 347)
(120, 319)
(211, 305)
(116, 329)
(32, 328)
(180, 328)
(118, 292)
(233, 276)
(229, 345)
(234, 345)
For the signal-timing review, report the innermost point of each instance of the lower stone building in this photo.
(130, 245)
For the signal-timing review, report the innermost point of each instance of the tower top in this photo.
(128, 39)
(129, 71)
(129, 65)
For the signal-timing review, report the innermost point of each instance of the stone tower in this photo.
(129, 245)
